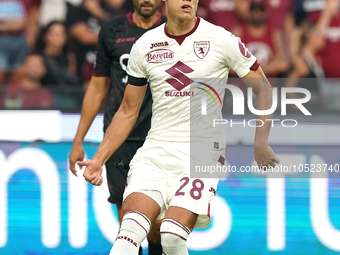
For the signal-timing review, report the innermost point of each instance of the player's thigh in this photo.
(140, 202)
(183, 216)
(194, 195)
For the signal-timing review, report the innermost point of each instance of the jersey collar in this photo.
(131, 22)
(180, 38)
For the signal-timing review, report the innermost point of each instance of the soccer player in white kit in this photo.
(170, 57)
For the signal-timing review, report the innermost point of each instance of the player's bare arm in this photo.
(92, 102)
(119, 129)
(83, 34)
(263, 153)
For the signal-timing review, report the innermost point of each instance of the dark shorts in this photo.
(117, 168)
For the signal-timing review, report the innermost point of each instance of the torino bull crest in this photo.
(201, 48)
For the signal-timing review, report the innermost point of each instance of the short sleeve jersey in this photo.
(116, 38)
(172, 63)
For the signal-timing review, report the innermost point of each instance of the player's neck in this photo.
(177, 27)
(142, 22)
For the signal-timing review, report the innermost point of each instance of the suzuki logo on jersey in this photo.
(178, 72)
(160, 44)
(180, 80)
(158, 56)
(201, 48)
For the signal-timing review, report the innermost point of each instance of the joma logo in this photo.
(160, 44)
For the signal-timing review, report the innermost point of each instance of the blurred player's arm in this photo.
(119, 129)
(279, 63)
(83, 34)
(331, 9)
(289, 27)
(263, 154)
(92, 102)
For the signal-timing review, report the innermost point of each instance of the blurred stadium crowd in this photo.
(47, 47)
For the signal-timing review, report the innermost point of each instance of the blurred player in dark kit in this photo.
(115, 41)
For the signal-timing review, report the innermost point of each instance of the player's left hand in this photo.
(265, 156)
(93, 171)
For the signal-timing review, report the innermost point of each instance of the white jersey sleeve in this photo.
(137, 74)
(238, 57)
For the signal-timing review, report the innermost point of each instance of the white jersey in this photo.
(174, 66)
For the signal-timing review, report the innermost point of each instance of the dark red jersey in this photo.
(220, 12)
(261, 47)
(277, 10)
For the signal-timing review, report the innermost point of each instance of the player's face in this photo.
(146, 8)
(181, 9)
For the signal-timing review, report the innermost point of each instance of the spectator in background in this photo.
(84, 23)
(60, 61)
(28, 92)
(13, 46)
(32, 25)
(225, 13)
(61, 66)
(307, 72)
(281, 18)
(262, 40)
(52, 10)
(302, 8)
(328, 25)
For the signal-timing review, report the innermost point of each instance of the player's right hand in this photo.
(76, 154)
(93, 171)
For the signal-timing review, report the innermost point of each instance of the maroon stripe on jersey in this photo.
(99, 75)
(141, 214)
(159, 19)
(180, 38)
(130, 20)
(208, 210)
(168, 232)
(177, 224)
(255, 66)
(221, 160)
(137, 223)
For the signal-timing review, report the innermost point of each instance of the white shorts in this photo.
(165, 167)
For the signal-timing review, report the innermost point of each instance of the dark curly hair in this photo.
(41, 44)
